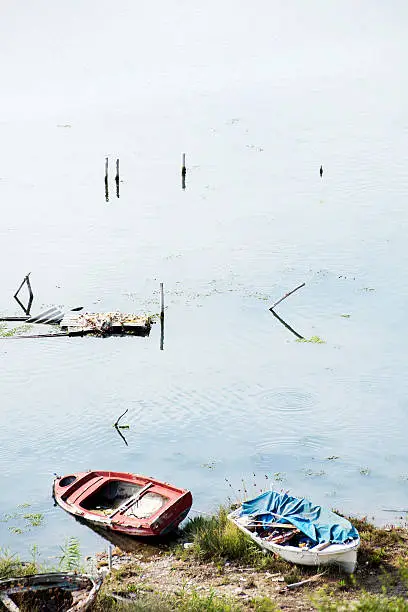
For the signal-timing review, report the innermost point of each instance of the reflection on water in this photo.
(183, 172)
(117, 178)
(143, 547)
(287, 325)
(162, 332)
(107, 179)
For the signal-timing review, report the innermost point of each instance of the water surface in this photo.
(257, 97)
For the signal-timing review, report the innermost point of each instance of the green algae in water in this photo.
(7, 332)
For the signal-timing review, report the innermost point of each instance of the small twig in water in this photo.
(119, 427)
(286, 295)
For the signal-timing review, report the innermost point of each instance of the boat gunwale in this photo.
(131, 525)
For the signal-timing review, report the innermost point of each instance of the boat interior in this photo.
(44, 596)
(115, 494)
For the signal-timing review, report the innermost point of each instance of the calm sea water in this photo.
(257, 96)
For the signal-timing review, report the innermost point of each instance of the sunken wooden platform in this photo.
(106, 324)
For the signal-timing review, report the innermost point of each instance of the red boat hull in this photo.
(122, 502)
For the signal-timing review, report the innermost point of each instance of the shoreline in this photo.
(175, 577)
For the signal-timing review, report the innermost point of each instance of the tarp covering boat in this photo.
(319, 524)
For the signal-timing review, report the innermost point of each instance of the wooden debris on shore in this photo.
(105, 324)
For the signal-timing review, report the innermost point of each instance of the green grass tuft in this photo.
(365, 603)
(70, 560)
(217, 539)
(10, 565)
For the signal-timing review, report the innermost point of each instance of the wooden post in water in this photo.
(106, 180)
(110, 557)
(161, 316)
(161, 300)
(117, 178)
(183, 172)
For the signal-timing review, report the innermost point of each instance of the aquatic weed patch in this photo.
(21, 522)
(313, 340)
(7, 332)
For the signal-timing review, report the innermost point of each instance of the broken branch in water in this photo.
(286, 295)
(278, 317)
(122, 415)
(119, 427)
(30, 294)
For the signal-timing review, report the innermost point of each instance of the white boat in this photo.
(269, 536)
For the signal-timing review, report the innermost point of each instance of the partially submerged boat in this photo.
(65, 592)
(298, 531)
(124, 503)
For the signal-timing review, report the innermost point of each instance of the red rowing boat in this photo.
(125, 503)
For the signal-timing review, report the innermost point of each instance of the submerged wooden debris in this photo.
(104, 324)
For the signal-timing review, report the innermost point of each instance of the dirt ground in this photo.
(166, 573)
(382, 567)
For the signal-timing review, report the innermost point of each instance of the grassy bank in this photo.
(221, 570)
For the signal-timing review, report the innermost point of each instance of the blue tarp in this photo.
(319, 524)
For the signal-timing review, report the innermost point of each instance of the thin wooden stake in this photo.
(161, 316)
(183, 172)
(161, 300)
(106, 180)
(117, 178)
(286, 295)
